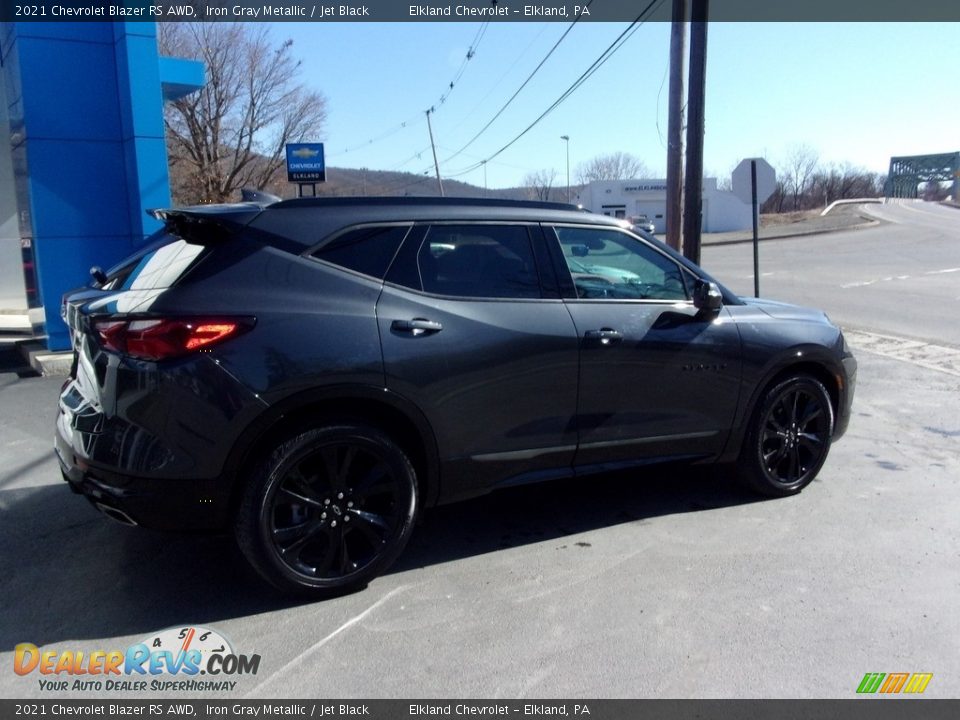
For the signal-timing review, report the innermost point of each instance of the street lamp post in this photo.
(566, 139)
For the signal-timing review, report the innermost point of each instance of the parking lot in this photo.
(660, 583)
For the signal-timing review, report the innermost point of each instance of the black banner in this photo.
(473, 11)
(854, 709)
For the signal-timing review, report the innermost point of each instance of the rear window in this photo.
(159, 265)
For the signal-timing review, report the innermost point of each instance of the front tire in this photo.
(789, 437)
(328, 511)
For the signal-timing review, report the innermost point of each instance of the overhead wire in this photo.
(594, 66)
(393, 130)
(519, 89)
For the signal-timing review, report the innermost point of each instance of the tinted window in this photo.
(365, 250)
(610, 264)
(494, 261)
(159, 265)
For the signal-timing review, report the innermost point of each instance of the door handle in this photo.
(606, 336)
(417, 326)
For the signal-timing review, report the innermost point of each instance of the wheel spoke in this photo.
(811, 442)
(284, 535)
(773, 422)
(344, 555)
(327, 561)
(294, 549)
(811, 412)
(772, 459)
(775, 435)
(376, 477)
(297, 497)
(373, 519)
(793, 471)
(337, 467)
(373, 538)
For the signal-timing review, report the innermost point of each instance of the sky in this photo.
(855, 93)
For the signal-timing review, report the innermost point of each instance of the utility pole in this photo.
(693, 202)
(484, 163)
(566, 138)
(678, 49)
(436, 164)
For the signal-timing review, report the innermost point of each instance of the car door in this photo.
(469, 336)
(658, 377)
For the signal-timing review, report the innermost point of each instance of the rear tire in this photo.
(328, 511)
(789, 437)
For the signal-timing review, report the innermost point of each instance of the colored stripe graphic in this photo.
(870, 682)
(918, 683)
(893, 683)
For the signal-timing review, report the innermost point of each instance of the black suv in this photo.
(314, 373)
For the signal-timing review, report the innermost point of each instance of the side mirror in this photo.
(707, 296)
(98, 275)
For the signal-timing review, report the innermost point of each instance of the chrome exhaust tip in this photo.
(114, 514)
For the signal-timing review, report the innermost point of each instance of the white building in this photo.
(722, 210)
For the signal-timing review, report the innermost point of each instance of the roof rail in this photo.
(420, 201)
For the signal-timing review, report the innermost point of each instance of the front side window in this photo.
(609, 264)
(483, 261)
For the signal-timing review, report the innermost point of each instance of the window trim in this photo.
(533, 227)
(569, 287)
(309, 253)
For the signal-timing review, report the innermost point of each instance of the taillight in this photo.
(162, 338)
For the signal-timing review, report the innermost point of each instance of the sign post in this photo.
(754, 180)
(305, 166)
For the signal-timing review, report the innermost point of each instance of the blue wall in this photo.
(86, 125)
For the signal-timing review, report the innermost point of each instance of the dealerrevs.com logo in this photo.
(170, 660)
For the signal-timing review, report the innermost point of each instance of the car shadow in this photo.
(70, 574)
(548, 511)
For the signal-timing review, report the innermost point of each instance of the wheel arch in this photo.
(805, 361)
(304, 409)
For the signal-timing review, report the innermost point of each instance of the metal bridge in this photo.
(907, 172)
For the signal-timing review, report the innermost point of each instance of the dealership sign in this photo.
(305, 163)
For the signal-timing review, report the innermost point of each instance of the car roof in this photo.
(309, 220)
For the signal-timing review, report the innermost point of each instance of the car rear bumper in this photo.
(158, 504)
(151, 458)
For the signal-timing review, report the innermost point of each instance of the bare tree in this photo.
(799, 169)
(540, 183)
(616, 166)
(232, 133)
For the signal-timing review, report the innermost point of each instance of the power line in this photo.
(482, 100)
(596, 65)
(522, 86)
(393, 130)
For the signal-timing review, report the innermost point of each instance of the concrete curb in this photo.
(818, 231)
(45, 362)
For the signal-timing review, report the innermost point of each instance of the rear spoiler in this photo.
(213, 223)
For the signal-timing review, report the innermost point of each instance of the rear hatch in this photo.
(126, 296)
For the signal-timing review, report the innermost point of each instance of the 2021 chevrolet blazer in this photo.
(312, 374)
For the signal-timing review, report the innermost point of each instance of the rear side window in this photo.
(484, 261)
(364, 250)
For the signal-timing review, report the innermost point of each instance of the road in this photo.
(901, 277)
(656, 584)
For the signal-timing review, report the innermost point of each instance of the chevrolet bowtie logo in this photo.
(305, 153)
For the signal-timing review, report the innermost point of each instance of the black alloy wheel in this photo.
(330, 509)
(789, 438)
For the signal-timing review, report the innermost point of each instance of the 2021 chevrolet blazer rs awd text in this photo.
(313, 373)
